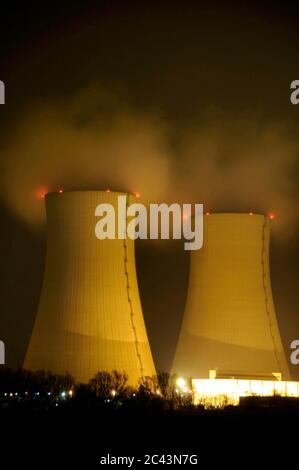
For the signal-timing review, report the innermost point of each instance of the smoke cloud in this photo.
(88, 142)
(242, 163)
(93, 140)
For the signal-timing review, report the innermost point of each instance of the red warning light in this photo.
(271, 216)
(41, 193)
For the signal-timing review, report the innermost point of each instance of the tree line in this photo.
(106, 389)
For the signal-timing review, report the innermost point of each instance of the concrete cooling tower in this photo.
(229, 327)
(89, 317)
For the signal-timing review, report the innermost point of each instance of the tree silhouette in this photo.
(110, 386)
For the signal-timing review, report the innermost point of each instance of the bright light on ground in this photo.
(181, 383)
(221, 392)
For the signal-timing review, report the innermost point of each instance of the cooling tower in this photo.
(229, 325)
(89, 317)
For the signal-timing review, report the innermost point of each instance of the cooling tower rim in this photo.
(234, 214)
(60, 193)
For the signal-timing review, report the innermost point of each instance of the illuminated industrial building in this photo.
(222, 392)
(230, 332)
(89, 317)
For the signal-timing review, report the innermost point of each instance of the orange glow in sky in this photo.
(41, 192)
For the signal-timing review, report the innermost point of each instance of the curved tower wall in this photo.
(229, 324)
(89, 317)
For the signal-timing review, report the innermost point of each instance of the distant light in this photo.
(158, 392)
(113, 393)
(63, 394)
(271, 216)
(60, 191)
(137, 195)
(181, 383)
(250, 213)
(134, 394)
(49, 393)
(10, 394)
(37, 393)
(207, 213)
(16, 394)
(5, 394)
(70, 393)
(108, 190)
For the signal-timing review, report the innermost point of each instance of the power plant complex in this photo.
(89, 317)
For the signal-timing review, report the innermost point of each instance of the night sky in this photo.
(180, 101)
